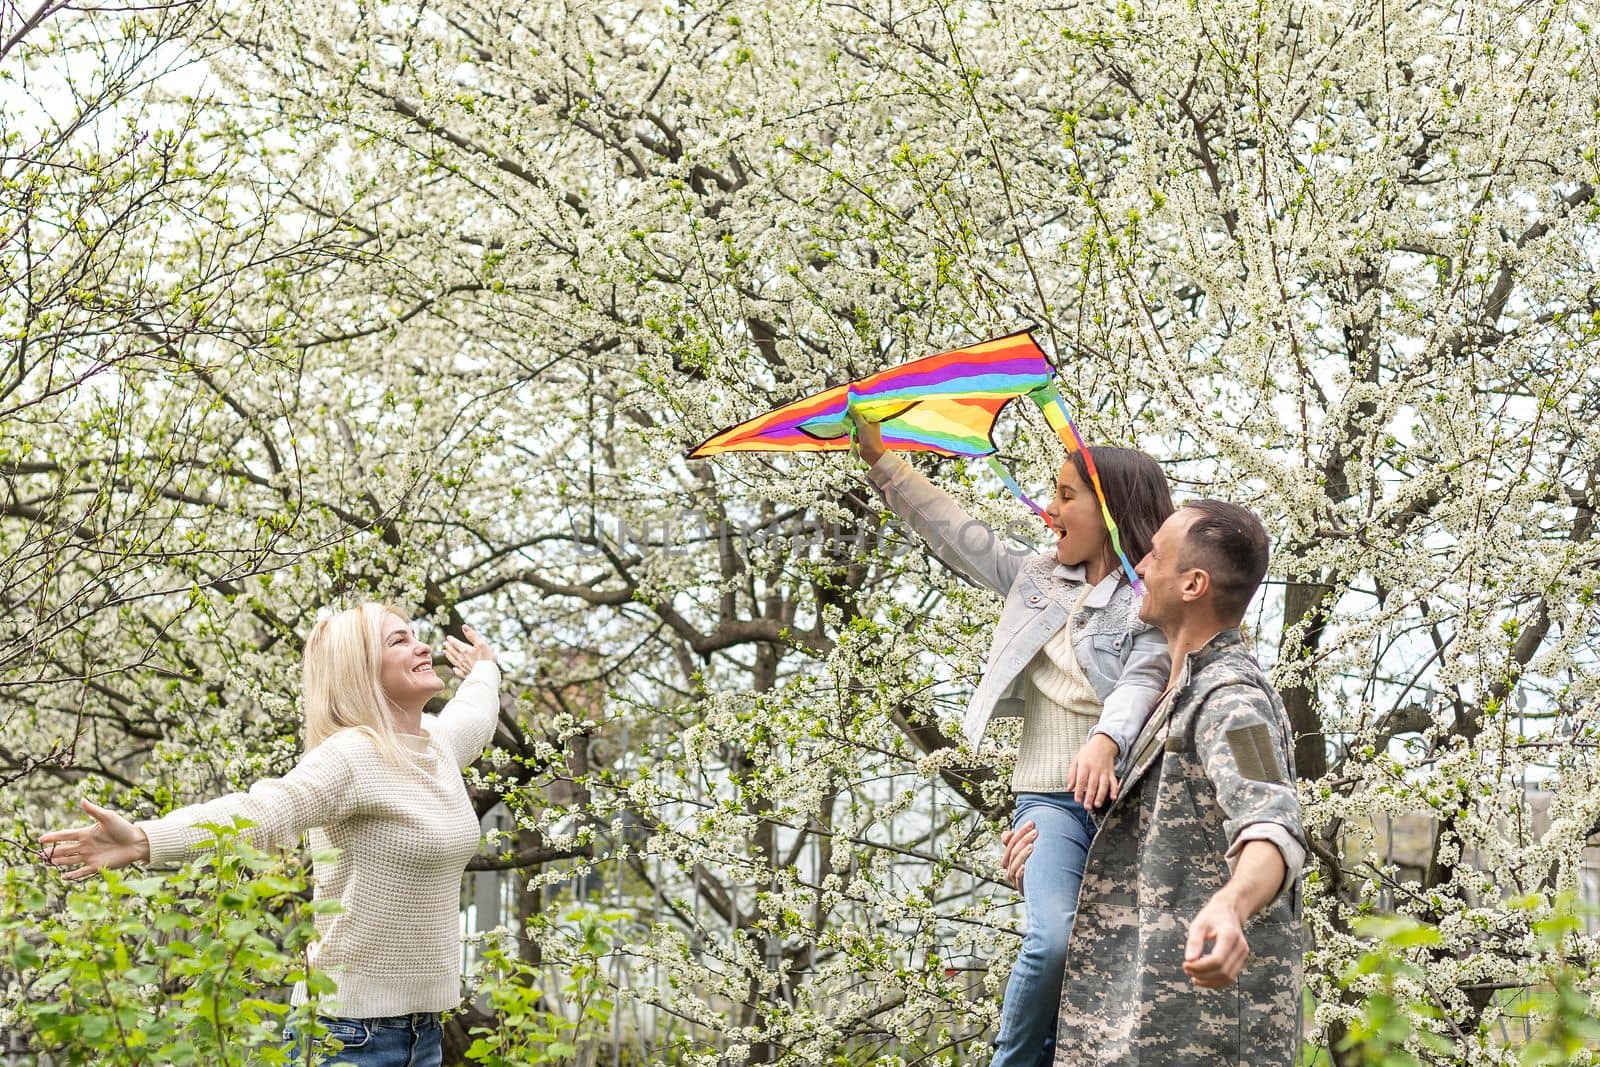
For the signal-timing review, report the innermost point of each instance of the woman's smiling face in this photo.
(407, 673)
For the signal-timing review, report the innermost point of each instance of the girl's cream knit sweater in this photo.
(1060, 709)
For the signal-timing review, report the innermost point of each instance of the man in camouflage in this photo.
(1187, 945)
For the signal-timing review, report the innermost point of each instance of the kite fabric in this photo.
(946, 404)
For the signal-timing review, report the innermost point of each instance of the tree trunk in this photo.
(1303, 600)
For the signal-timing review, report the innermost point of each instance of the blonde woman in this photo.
(381, 783)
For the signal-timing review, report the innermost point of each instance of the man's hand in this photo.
(1258, 875)
(1090, 776)
(1019, 846)
(1219, 923)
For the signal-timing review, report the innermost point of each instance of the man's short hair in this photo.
(1229, 543)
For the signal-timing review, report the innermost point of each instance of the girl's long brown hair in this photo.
(1136, 492)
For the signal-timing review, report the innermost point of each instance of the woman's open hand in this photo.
(465, 655)
(107, 843)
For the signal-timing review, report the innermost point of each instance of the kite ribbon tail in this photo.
(1068, 432)
(1116, 545)
(1011, 484)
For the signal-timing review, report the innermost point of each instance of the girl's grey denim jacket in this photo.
(1123, 658)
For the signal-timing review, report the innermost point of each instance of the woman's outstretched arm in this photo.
(319, 791)
(107, 843)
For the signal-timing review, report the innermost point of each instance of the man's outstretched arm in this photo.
(1258, 874)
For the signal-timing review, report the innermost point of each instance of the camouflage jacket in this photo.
(1213, 768)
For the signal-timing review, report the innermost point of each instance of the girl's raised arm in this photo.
(969, 547)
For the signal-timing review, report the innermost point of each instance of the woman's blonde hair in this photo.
(343, 691)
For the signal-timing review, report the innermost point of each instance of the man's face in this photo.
(1163, 604)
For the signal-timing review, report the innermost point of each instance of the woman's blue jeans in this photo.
(414, 1040)
(1050, 892)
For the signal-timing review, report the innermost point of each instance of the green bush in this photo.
(534, 1027)
(144, 969)
(1400, 1025)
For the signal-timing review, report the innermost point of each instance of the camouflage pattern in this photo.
(1214, 759)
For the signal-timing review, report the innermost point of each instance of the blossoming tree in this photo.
(1333, 262)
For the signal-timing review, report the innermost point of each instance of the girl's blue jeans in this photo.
(414, 1040)
(1050, 893)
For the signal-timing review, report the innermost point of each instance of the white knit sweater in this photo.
(404, 836)
(1060, 708)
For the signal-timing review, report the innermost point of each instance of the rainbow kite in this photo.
(945, 404)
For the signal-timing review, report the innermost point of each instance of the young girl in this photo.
(380, 782)
(1071, 657)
